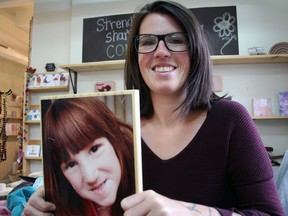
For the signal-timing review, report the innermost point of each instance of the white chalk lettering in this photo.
(116, 36)
(108, 25)
(119, 50)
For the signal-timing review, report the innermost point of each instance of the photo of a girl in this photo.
(88, 156)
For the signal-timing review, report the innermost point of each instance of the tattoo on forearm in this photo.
(193, 208)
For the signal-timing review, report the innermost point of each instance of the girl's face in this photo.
(95, 172)
(163, 71)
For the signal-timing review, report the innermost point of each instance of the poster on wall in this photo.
(105, 38)
(91, 147)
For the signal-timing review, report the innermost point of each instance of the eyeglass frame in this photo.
(159, 37)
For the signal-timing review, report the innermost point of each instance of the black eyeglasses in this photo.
(175, 42)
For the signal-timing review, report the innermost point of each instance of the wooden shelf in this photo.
(32, 158)
(32, 122)
(249, 59)
(12, 135)
(95, 66)
(12, 117)
(16, 106)
(216, 60)
(52, 88)
(268, 117)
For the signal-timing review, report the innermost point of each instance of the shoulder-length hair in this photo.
(199, 93)
(70, 125)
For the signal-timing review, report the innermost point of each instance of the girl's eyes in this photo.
(94, 148)
(71, 164)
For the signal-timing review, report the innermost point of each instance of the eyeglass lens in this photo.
(176, 42)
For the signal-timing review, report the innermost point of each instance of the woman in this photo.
(88, 160)
(197, 147)
(202, 154)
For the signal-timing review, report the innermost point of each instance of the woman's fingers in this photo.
(37, 206)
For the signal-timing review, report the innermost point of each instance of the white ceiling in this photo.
(15, 17)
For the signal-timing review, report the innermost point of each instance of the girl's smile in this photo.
(94, 172)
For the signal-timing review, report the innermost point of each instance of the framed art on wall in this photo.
(91, 151)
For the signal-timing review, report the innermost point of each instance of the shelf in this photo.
(52, 88)
(268, 117)
(32, 158)
(32, 122)
(216, 60)
(250, 59)
(95, 66)
(11, 117)
(16, 106)
(12, 135)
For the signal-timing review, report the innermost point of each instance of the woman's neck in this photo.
(165, 109)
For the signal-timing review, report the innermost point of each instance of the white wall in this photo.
(57, 37)
(57, 30)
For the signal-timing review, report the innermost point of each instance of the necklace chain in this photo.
(103, 208)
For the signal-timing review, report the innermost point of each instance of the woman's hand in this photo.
(37, 206)
(153, 204)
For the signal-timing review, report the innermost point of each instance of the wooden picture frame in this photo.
(95, 126)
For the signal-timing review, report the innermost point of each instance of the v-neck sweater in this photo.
(225, 166)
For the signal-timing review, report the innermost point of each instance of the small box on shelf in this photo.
(283, 103)
(262, 106)
(33, 150)
(33, 115)
(48, 80)
(12, 129)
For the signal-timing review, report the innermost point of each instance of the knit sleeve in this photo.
(249, 168)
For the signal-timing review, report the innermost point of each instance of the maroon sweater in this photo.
(224, 166)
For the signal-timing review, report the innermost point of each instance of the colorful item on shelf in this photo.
(262, 106)
(283, 103)
(279, 48)
(33, 115)
(105, 86)
(48, 80)
(50, 67)
(256, 51)
(3, 121)
(30, 70)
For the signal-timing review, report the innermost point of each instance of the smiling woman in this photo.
(88, 157)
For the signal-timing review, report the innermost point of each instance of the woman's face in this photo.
(163, 71)
(95, 172)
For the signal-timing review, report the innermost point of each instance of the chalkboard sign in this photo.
(105, 38)
(220, 27)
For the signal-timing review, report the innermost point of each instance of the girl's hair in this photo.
(70, 125)
(199, 82)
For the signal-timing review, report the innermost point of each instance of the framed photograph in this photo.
(105, 86)
(217, 84)
(262, 106)
(33, 115)
(283, 103)
(91, 146)
(33, 150)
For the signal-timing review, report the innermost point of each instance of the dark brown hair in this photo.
(72, 124)
(199, 82)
